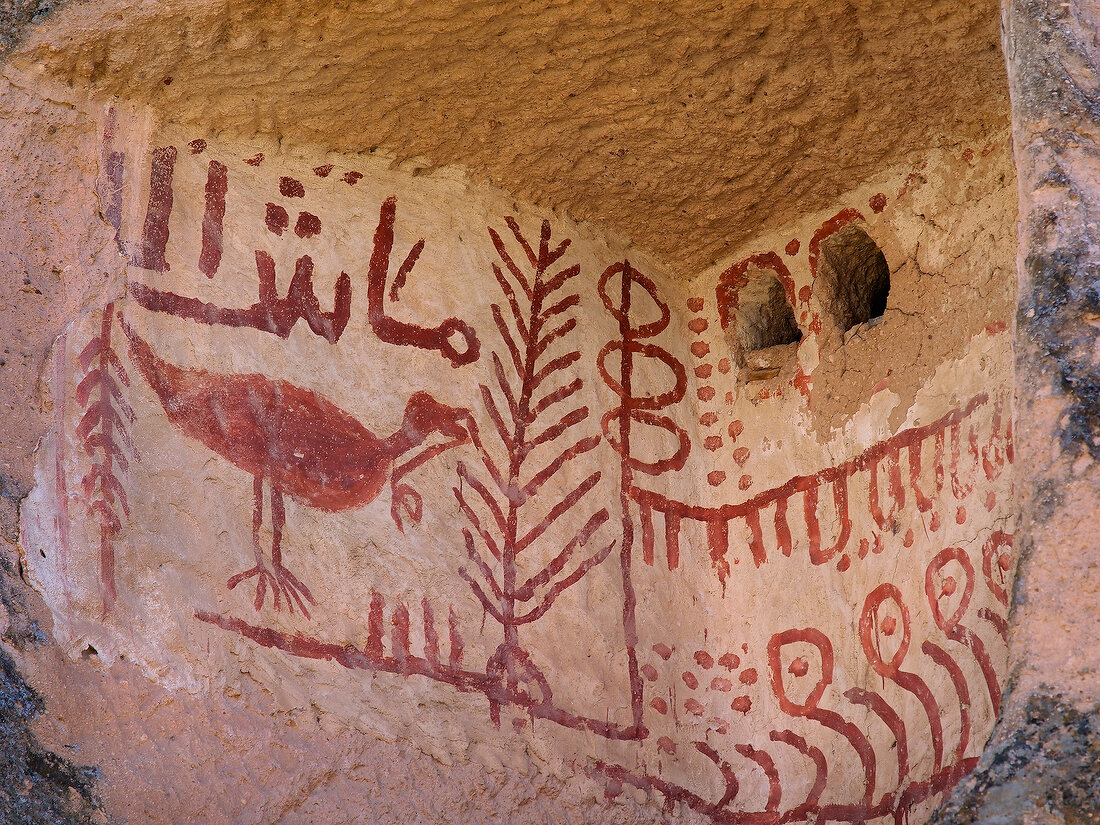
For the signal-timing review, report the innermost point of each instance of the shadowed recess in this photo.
(763, 317)
(854, 277)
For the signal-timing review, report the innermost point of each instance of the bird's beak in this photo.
(456, 430)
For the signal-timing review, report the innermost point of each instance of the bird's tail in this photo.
(167, 380)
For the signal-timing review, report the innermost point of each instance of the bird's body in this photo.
(300, 442)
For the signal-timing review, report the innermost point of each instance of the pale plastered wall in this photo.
(689, 638)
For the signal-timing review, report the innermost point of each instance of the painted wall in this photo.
(432, 465)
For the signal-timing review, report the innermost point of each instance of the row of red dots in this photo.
(714, 442)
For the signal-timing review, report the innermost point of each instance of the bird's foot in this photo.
(282, 582)
(264, 579)
(293, 589)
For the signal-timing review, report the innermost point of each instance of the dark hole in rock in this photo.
(88, 652)
(764, 322)
(854, 277)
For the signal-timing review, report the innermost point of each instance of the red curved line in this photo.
(733, 279)
(821, 776)
(860, 743)
(914, 684)
(767, 764)
(861, 462)
(969, 638)
(840, 501)
(999, 622)
(393, 331)
(942, 658)
(876, 703)
(834, 224)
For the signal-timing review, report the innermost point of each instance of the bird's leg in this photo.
(263, 575)
(288, 583)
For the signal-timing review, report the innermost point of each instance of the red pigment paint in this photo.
(113, 196)
(713, 442)
(154, 234)
(697, 325)
(103, 429)
(995, 548)
(877, 202)
(695, 304)
(792, 247)
(734, 279)
(703, 659)
(256, 159)
(951, 624)
(741, 455)
(891, 669)
(809, 708)
(700, 349)
(276, 219)
(831, 226)
(291, 188)
(705, 393)
(217, 183)
(715, 477)
(730, 661)
(708, 419)
(352, 178)
(735, 429)
(703, 371)
(662, 650)
(307, 225)
(323, 171)
(198, 146)
(431, 637)
(271, 313)
(298, 441)
(401, 333)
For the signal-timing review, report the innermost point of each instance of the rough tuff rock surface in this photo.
(684, 127)
(1041, 764)
(756, 157)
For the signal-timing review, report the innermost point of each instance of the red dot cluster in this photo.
(704, 371)
(697, 679)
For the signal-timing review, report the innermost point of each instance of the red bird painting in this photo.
(300, 443)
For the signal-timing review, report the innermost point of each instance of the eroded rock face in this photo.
(447, 471)
(687, 128)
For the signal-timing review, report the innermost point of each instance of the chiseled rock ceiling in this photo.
(684, 126)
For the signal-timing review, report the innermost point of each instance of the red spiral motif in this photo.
(640, 409)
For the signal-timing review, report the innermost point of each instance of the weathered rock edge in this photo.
(1042, 763)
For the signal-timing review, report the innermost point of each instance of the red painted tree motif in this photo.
(104, 435)
(531, 379)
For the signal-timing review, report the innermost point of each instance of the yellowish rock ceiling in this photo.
(683, 126)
